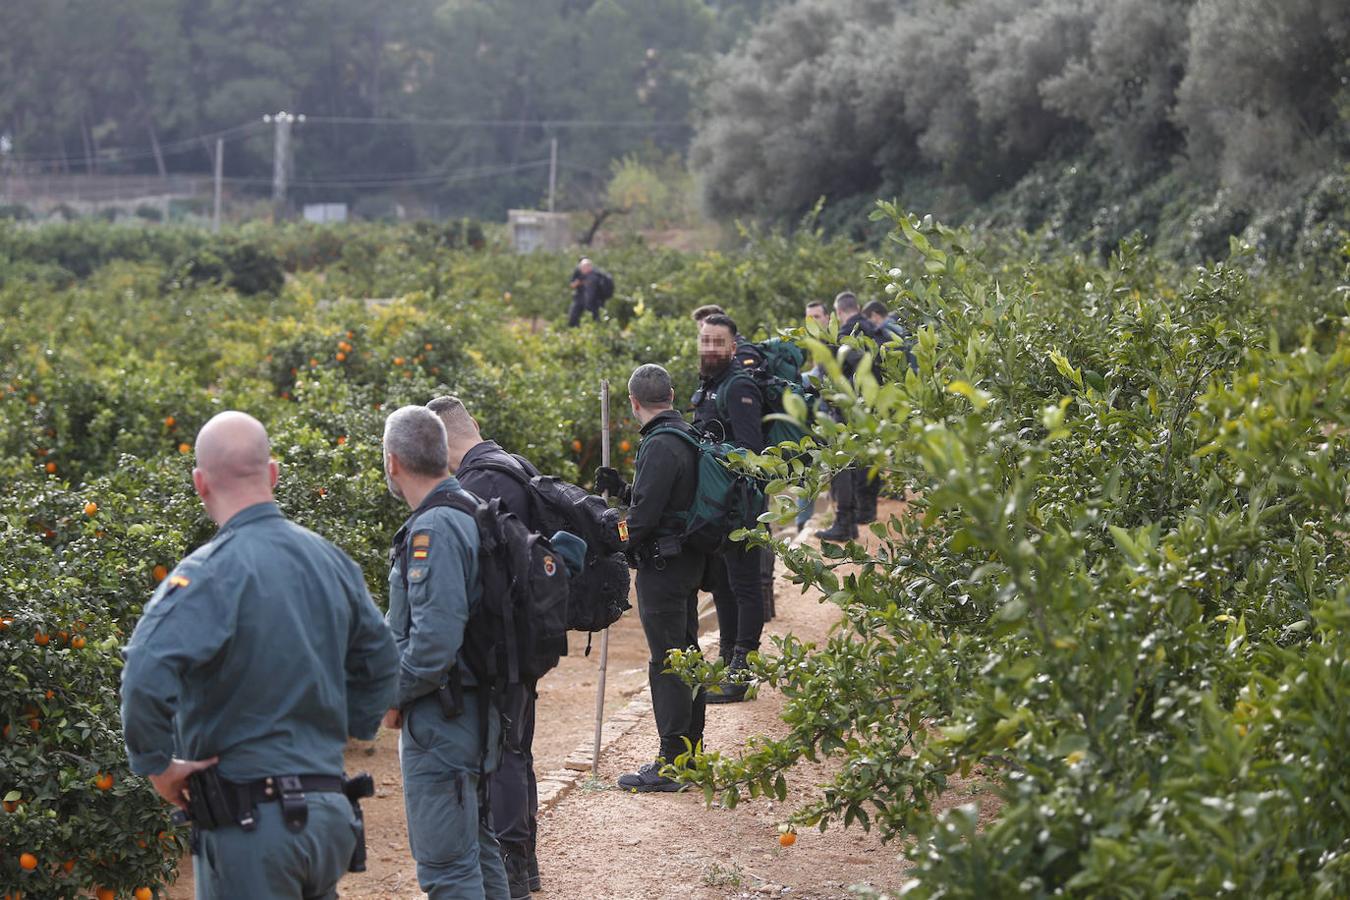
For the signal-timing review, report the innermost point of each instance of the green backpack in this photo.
(772, 389)
(724, 500)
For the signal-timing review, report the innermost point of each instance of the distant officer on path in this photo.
(254, 660)
(478, 465)
(448, 740)
(729, 404)
(854, 491)
(668, 574)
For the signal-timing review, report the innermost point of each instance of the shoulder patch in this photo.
(748, 401)
(416, 574)
(421, 545)
(179, 581)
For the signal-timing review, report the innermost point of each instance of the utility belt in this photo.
(656, 552)
(214, 802)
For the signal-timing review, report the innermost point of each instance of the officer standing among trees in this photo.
(589, 286)
(513, 793)
(729, 404)
(854, 492)
(254, 660)
(448, 739)
(668, 571)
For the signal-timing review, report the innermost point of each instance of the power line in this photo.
(408, 180)
(116, 154)
(503, 123)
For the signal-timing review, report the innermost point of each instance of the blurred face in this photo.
(819, 314)
(877, 319)
(585, 267)
(716, 346)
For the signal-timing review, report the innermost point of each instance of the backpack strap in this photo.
(724, 385)
(437, 499)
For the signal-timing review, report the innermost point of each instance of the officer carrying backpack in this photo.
(599, 594)
(782, 359)
(777, 426)
(525, 590)
(724, 500)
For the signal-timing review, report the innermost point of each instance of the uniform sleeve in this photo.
(652, 482)
(186, 623)
(438, 608)
(745, 409)
(372, 661)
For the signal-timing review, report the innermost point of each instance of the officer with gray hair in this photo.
(443, 748)
(668, 571)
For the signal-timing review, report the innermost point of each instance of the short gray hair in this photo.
(650, 386)
(846, 302)
(416, 436)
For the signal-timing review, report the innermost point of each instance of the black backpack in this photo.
(778, 426)
(604, 285)
(599, 595)
(525, 591)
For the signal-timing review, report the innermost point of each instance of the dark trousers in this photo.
(514, 792)
(579, 306)
(736, 580)
(668, 610)
(855, 497)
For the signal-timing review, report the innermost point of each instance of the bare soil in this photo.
(600, 842)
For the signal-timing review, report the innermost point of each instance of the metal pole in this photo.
(604, 635)
(220, 173)
(552, 189)
(281, 149)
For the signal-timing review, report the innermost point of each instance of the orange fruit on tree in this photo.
(576, 446)
(51, 694)
(398, 360)
(143, 893)
(42, 638)
(340, 356)
(185, 448)
(68, 865)
(51, 468)
(4, 732)
(625, 446)
(35, 724)
(4, 623)
(90, 508)
(63, 636)
(426, 346)
(105, 893)
(170, 421)
(27, 861)
(77, 642)
(104, 781)
(160, 573)
(10, 805)
(342, 439)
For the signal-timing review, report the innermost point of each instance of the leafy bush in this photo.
(1120, 598)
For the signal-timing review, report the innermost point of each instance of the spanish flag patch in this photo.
(419, 554)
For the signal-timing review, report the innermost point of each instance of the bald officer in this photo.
(257, 656)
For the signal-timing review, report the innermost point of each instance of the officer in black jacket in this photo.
(854, 493)
(668, 573)
(729, 404)
(585, 286)
(512, 793)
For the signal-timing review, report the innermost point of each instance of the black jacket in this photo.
(731, 408)
(859, 326)
(587, 292)
(664, 482)
(486, 483)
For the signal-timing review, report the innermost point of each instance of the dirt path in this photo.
(599, 842)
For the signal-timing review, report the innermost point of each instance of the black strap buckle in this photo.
(294, 808)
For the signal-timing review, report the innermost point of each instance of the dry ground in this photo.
(599, 842)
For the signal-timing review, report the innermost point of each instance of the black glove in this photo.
(609, 481)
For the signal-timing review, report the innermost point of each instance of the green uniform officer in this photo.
(444, 752)
(262, 652)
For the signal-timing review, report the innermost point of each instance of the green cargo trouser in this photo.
(273, 863)
(457, 854)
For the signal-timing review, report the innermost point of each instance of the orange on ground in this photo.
(787, 838)
(27, 861)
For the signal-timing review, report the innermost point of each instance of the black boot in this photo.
(732, 690)
(516, 858)
(842, 530)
